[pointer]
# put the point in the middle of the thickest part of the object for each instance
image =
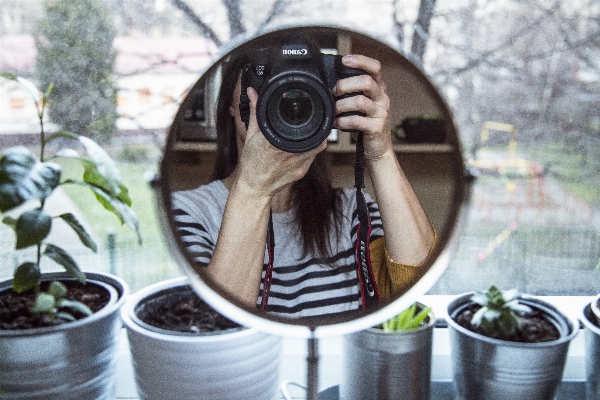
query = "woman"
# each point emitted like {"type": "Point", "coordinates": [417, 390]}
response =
{"type": "Point", "coordinates": [224, 224]}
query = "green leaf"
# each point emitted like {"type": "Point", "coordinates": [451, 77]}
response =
{"type": "Point", "coordinates": [44, 303]}
{"type": "Point", "coordinates": [10, 221]}
{"type": "Point", "coordinates": [104, 169]}
{"type": "Point", "coordinates": [66, 316]}
{"type": "Point", "coordinates": [47, 95]}
{"type": "Point", "coordinates": [85, 238]}
{"type": "Point", "coordinates": [62, 134]}
{"type": "Point", "coordinates": [57, 289]}
{"type": "Point", "coordinates": [75, 306]}
{"type": "Point", "coordinates": [27, 276]}
{"type": "Point", "coordinates": [420, 317]}
{"type": "Point", "coordinates": [24, 178]}
{"type": "Point", "coordinates": [407, 320]}
{"type": "Point", "coordinates": [8, 75]}
{"type": "Point", "coordinates": [32, 227]}
{"type": "Point", "coordinates": [63, 258]}
{"type": "Point", "coordinates": [125, 214]}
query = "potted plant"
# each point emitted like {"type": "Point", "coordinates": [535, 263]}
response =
{"type": "Point", "coordinates": [392, 360]}
{"type": "Point", "coordinates": [505, 345]}
{"type": "Point", "coordinates": [590, 321]}
{"type": "Point", "coordinates": [183, 349]}
{"type": "Point", "coordinates": [58, 331]}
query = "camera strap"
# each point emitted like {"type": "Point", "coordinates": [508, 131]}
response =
{"type": "Point", "coordinates": [269, 271]}
{"type": "Point", "coordinates": [368, 285]}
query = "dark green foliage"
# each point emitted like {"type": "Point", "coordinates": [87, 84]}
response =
{"type": "Point", "coordinates": [23, 177]}
{"type": "Point", "coordinates": [74, 43]}
{"type": "Point", "coordinates": [27, 181]}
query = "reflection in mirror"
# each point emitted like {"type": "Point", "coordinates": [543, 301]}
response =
{"type": "Point", "coordinates": [316, 280]}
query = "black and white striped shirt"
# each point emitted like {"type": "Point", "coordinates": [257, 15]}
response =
{"type": "Point", "coordinates": [301, 286]}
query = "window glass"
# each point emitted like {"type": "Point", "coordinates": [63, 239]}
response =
{"type": "Point", "coordinates": [522, 78]}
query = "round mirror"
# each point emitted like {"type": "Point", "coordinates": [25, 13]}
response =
{"type": "Point", "coordinates": [425, 142]}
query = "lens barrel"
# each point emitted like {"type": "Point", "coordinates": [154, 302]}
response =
{"type": "Point", "coordinates": [295, 111]}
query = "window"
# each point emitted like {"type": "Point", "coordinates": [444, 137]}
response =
{"type": "Point", "coordinates": [145, 95]}
{"type": "Point", "coordinates": [521, 76]}
{"type": "Point", "coordinates": [16, 103]}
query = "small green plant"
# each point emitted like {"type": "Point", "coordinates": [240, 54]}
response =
{"type": "Point", "coordinates": [25, 184]}
{"type": "Point", "coordinates": [54, 304]}
{"type": "Point", "coordinates": [498, 315]}
{"type": "Point", "coordinates": [407, 320]}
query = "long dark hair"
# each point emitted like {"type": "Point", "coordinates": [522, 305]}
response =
{"type": "Point", "coordinates": [318, 204]}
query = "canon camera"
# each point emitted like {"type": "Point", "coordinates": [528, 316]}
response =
{"type": "Point", "coordinates": [295, 109]}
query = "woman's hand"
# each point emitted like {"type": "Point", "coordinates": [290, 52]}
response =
{"type": "Point", "coordinates": [373, 102]}
{"type": "Point", "coordinates": [409, 235]}
{"type": "Point", "coordinates": [263, 168]}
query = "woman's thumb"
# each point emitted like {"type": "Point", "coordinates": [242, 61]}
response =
{"type": "Point", "coordinates": [253, 97]}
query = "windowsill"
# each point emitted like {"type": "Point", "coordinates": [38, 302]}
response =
{"type": "Point", "coordinates": [293, 366]}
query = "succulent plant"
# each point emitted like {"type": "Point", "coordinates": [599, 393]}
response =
{"type": "Point", "coordinates": [499, 313]}
{"type": "Point", "coordinates": [407, 320]}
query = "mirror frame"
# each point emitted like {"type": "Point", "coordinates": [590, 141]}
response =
{"type": "Point", "coordinates": [315, 328]}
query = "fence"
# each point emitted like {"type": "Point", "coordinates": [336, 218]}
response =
{"type": "Point", "coordinates": [539, 261]}
{"type": "Point", "coordinates": [138, 265]}
{"type": "Point", "coordinates": [542, 260]}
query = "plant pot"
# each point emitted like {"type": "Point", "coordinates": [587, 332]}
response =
{"type": "Point", "coordinates": [492, 369]}
{"type": "Point", "coordinates": [75, 360]}
{"type": "Point", "coordinates": [388, 365]}
{"type": "Point", "coordinates": [592, 352]}
{"type": "Point", "coordinates": [595, 309]}
{"type": "Point", "coordinates": [237, 363]}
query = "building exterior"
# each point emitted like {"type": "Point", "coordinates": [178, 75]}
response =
{"type": "Point", "coordinates": [153, 75]}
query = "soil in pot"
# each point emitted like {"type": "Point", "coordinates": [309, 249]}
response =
{"type": "Point", "coordinates": [535, 328]}
{"type": "Point", "coordinates": [15, 308]}
{"type": "Point", "coordinates": [182, 311]}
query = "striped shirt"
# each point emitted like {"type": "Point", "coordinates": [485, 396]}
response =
{"type": "Point", "coordinates": [302, 286]}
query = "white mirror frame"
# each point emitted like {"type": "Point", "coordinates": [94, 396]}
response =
{"type": "Point", "coordinates": [280, 328]}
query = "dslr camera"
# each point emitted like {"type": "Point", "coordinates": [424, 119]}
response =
{"type": "Point", "coordinates": [295, 109]}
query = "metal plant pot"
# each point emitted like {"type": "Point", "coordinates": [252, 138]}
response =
{"type": "Point", "coordinates": [233, 364]}
{"type": "Point", "coordinates": [388, 365]}
{"type": "Point", "coordinates": [69, 361]}
{"type": "Point", "coordinates": [493, 369]}
{"type": "Point", "coordinates": [592, 352]}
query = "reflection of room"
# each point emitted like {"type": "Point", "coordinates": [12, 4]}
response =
{"type": "Point", "coordinates": [429, 166]}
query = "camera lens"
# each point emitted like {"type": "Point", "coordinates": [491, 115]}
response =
{"type": "Point", "coordinates": [295, 107]}
{"type": "Point", "coordinates": [295, 111]}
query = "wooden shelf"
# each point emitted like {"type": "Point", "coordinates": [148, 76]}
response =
{"type": "Point", "coordinates": [344, 144]}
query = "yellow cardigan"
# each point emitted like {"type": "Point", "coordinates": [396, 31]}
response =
{"type": "Point", "coordinates": [391, 276]}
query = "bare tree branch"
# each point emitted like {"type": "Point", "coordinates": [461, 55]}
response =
{"type": "Point", "coordinates": [421, 32]}
{"type": "Point", "coordinates": [205, 29]}
{"type": "Point", "coordinates": [234, 15]}
{"type": "Point", "coordinates": [276, 10]}
{"type": "Point", "coordinates": [398, 25]}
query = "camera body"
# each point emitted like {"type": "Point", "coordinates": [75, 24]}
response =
{"type": "Point", "coordinates": [295, 109]}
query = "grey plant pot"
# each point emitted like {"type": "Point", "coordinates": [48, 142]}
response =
{"type": "Point", "coordinates": [492, 369]}
{"type": "Point", "coordinates": [592, 352]}
{"type": "Point", "coordinates": [381, 365]}
{"type": "Point", "coordinates": [234, 364]}
{"type": "Point", "coordinates": [70, 361]}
